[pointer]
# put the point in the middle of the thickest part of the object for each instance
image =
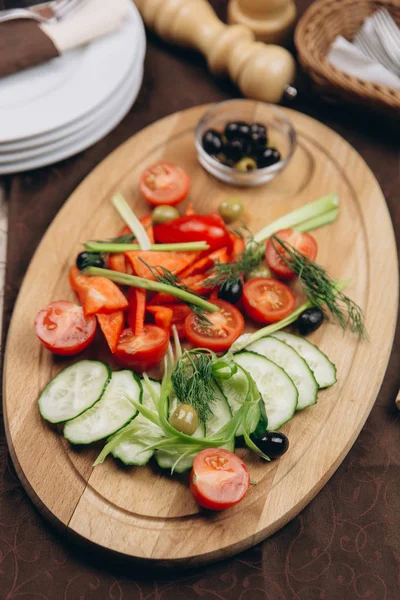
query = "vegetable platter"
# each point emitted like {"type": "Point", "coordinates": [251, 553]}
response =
{"type": "Point", "coordinates": [144, 512]}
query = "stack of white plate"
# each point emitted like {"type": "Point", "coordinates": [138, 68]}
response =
{"type": "Point", "coordinates": [62, 107]}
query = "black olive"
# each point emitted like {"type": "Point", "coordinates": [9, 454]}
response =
{"type": "Point", "coordinates": [231, 292]}
{"type": "Point", "coordinates": [268, 157]}
{"type": "Point", "coordinates": [258, 143]}
{"type": "Point", "coordinates": [237, 130]}
{"type": "Point", "coordinates": [236, 149]}
{"type": "Point", "coordinates": [212, 141]}
{"type": "Point", "coordinates": [310, 320]}
{"type": "Point", "coordinates": [89, 259]}
{"type": "Point", "coordinates": [273, 443]}
{"type": "Point", "coordinates": [258, 128]}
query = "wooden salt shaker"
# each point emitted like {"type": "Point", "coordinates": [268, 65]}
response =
{"type": "Point", "coordinates": [272, 21]}
{"type": "Point", "coordinates": [261, 72]}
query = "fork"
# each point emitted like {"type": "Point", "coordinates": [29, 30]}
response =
{"type": "Point", "coordinates": [42, 13]}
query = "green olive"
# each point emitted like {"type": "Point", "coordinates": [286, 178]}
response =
{"type": "Point", "coordinates": [246, 164]}
{"type": "Point", "coordinates": [231, 209]}
{"type": "Point", "coordinates": [261, 271]}
{"type": "Point", "coordinates": [163, 214]}
{"type": "Point", "coordinates": [185, 419]}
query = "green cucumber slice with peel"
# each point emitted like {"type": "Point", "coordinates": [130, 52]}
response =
{"type": "Point", "coordinates": [110, 413]}
{"type": "Point", "coordinates": [221, 413]}
{"type": "Point", "coordinates": [74, 390]}
{"type": "Point", "coordinates": [235, 390]}
{"type": "Point", "coordinates": [293, 364]}
{"type": "Point", "coordinates": [131, 449]}
{"type": "Point", "coordinates": [279, 394]}
{"type": "Point", "coordinates": [324, 370]}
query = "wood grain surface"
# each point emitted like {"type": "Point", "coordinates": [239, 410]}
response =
{"type": "Point", "coordinates": [143, 512]}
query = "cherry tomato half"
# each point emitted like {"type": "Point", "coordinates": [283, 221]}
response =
{"type": "Point", "coordinates": [219, 479]}
{"type": "Point", "coordinates": [303, 242]}
{"type": "Point", "coordinates": [164, 183]}
{"type": "Point", "coordinates": [144, 351]}
{"type": "Point", "coordinates": [63, 328]}
{"type": "Point", "coordinates": [267, 300]}
{"type": "Point", "coordinates": [226, 326]}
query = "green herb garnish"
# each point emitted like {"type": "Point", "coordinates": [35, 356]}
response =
{"type": "Point", "coordinates": [192, 381]}
{"type": "Point", "coordinates": [321, 290]}
{"type": "Point", "coordinates": [232, 272]}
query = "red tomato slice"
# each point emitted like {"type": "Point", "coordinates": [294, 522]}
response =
{"type": "Point", "coordinates": [164, 183]}
{"type": "Point", "coordinates": [303, 242]}
{"type": "Point", "coordinates": [63, 328]}
{"type": "Point", "coordinates": [144, 351]}
{"type": "Point", "coordinates": [219, 479]}
{"type": "Point", "coordinates": [267, 300]}
{"type": "Point", "coordinates": [226, 326]}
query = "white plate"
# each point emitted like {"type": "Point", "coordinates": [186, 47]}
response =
{"type": "Point", "coordinates": [112, 108]}
{"type": "Point", "coordinates": [48, 158]}
{"type": "Point", "coordinates": [69, 87]}
{"type": "Point", "coordinates": [85, 128]}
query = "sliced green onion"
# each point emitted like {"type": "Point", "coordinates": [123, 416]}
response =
{"type": "Point", "coordinates": [310, 211]}
{"type": "Point", "coordinates": [110, 247]}
{"type": "Point", "coordinates": [153, 286]}
{"type": "Point", "coordinates": [129, 217]}
{"type": "Point", "coordinates": [320, 221]}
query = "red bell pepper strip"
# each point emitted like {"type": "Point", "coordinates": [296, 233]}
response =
{"type": "Point", "coordinates": [194, 228]}
{"type": "Point", "coordinates": [162, 315]}
{"type": "Point", "coordinates": [137, 309]}
{"type": "Point", "coordinates": [111, 326]}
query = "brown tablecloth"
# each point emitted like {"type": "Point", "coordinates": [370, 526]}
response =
{"type": "Point", "coordinates": [346, 544]}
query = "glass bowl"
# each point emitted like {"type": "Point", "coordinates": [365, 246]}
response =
{"type": "Point", "coordinates": [280, 132]}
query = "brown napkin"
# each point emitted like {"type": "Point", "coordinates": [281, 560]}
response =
{"type": "Point", "coordinates": [27, 43]}
{"type": "Point", "coordinates": [23, 44]}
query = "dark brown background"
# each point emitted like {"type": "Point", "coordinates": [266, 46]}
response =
{"type": "Point", "coordinates": [346, 544]}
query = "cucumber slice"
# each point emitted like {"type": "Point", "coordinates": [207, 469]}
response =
{"type": "Point", "coordinates": [74, 390]}
{"type": "Point", "coordinates": [235, 390]}
{"type": "Point", "coordinates": [278, 391]}
{"type": "Point", "coordinates": [131, 451]}
{"type": "Point", "coordinates": [324, 370]}
{"type": "Point", "coordinates": [291, 362]}
{"type": "Point", "coordinates": [110, 414]}
{"type": "Point", "coordinates": [221, 413]}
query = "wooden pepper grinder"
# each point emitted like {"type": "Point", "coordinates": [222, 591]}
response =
{"type": "Point", "coordinates": [272, 21]}
{"type": "Point", "coordinates": [261, 72]}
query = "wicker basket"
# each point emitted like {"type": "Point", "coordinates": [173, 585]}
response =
{"type": "Point", "coordinates": [317, 29]}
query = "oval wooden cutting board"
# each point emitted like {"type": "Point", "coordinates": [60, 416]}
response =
{"type": "Point", "coordinates": [143, 512]}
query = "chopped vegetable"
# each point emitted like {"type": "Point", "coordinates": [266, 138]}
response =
{"type": "Point", "coordinates": [174, 262]}
{"type": "Point", "coordinates": [137, 309]}
{"type": "Point", "coordinates": [126, 213]}
{"type": "Point", "coordinates": [194, 228]}
{"type": "Point", "coordinates": [142, 352]}
{"type": "Point", "coordinates": [219, 479]}
{"type": "Point", "coordinates": [164, 183]}
{"type": "Point", "coordinates": [63, 328]}
{"type": "Point", "coordinates": [224, 327]}
{"type": "Point", "coordinates": [117, 262]}
{"type": "Point", "coordinates": [99, 294]}
{"type": "Point", "coordinates": [267, 300]}
{"type": "Point", "coordinates": [111, 326]}
{"type": "Point", "coordinates": [279, 261]}
{"type": "Point", "coordinates": [162, 315]}
{"type": "Point", "coordinates": [190, 209]}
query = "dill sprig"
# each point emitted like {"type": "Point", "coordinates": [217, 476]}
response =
{"type": "Point", "coordinates": [192, 381]}
{"type": "Point", "coordinates": [125, 238]}
{"type": "Point", "coordinates": [163, 275]}
{"type": "Point", "coordinates": [321, 290]}
{"type": "Point", "coordinates": [232, 272]}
